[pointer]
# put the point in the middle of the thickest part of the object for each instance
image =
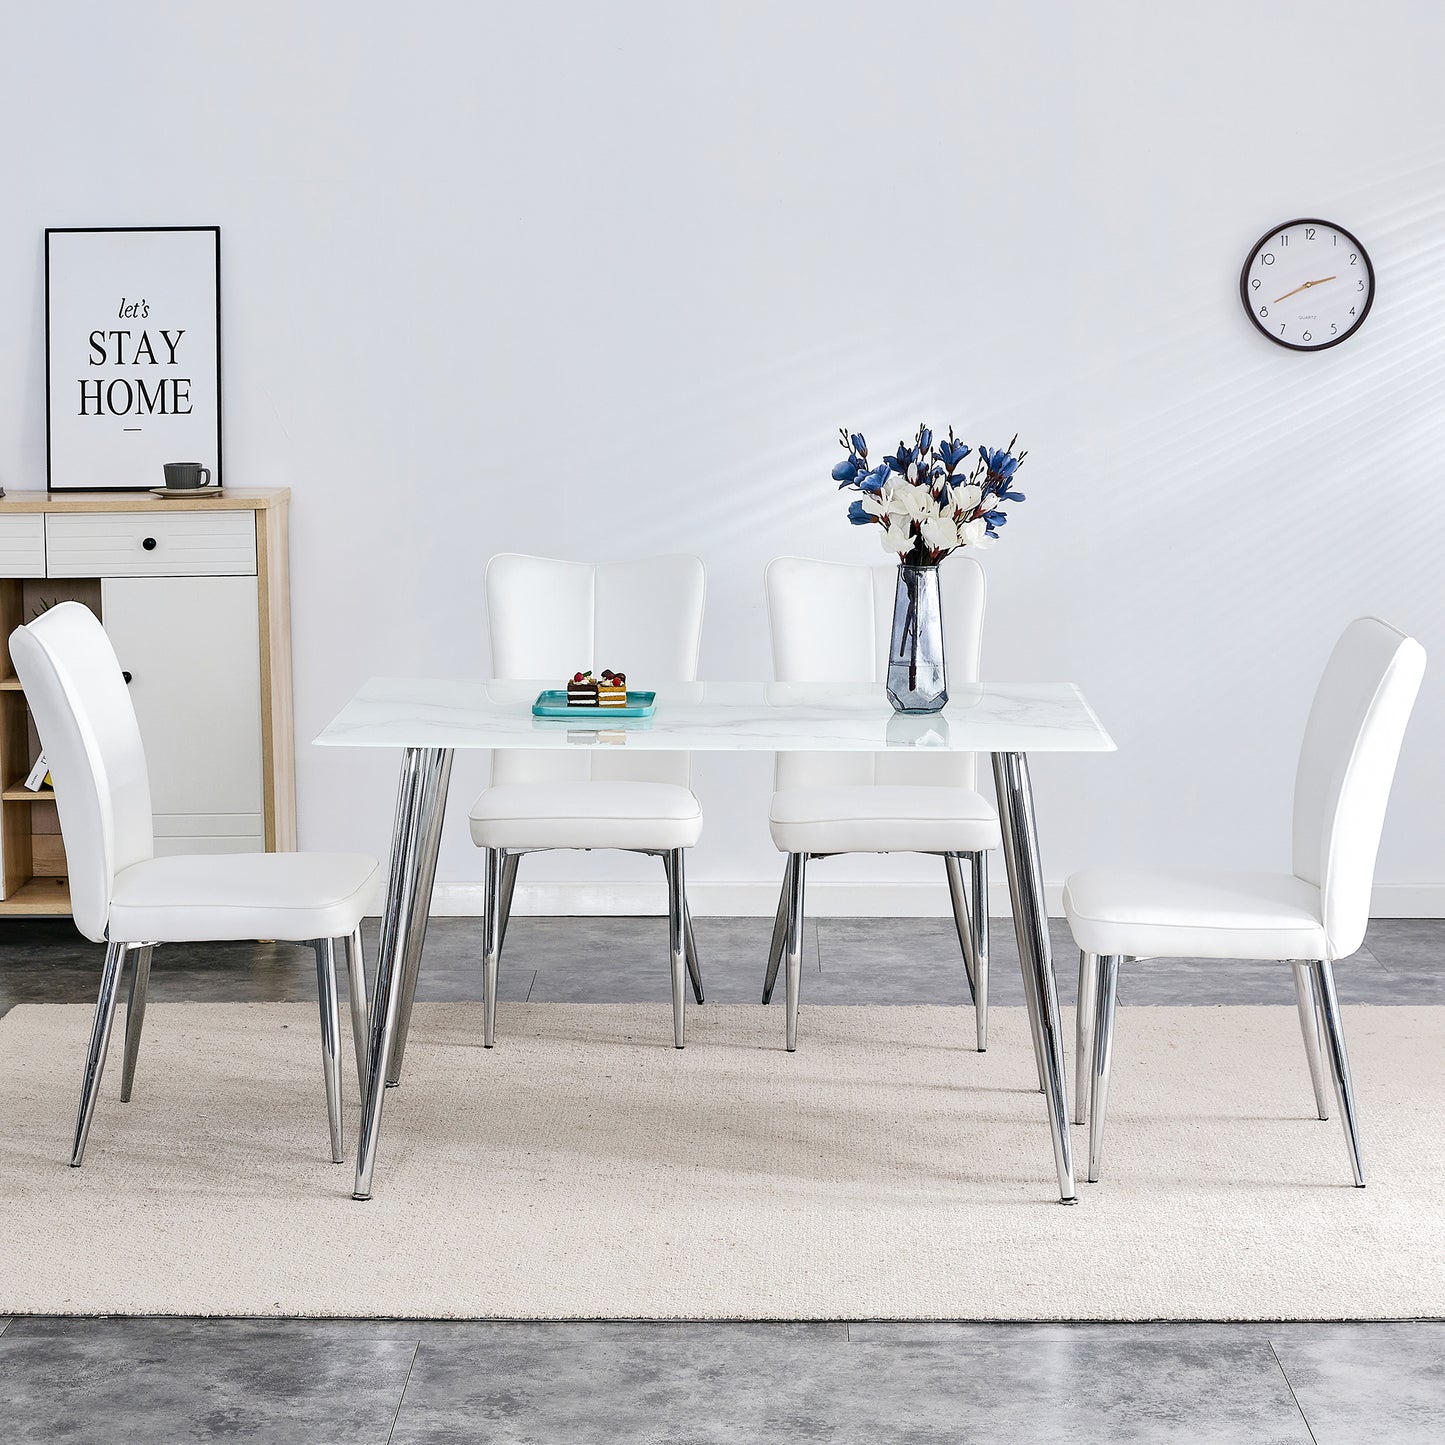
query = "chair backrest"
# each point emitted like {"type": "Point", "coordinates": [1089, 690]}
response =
{"type": "Point", "coordinates": [1347, 763]}
{"type": "Point", "coordinates": [549, 619]}
{"type": "Point", "coordinates": [830, 622]}
{"type": "Point", "coordinates": [77, 696]}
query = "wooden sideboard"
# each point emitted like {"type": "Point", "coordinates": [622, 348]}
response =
{"type": "Point", "coordinates": [194, 593]}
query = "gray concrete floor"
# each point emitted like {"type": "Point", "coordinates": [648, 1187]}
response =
{"type": "Point", "coordinates": [291, 1381]}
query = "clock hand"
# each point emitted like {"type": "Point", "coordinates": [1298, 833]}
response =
{"type": "Point", "coordinates": [1298, 289]}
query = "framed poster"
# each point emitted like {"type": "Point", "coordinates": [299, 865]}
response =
{"type": "Point", "coordinates": [132, 354]}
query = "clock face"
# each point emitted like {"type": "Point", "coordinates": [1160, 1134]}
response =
{"type": "Point", "coordinates": [1307, 285]}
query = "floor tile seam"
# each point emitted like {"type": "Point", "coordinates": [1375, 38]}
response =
{"type": "Point", "coordinates": [1289, 1385]}
{"type": "Point", "coordinates": [401, 1398]}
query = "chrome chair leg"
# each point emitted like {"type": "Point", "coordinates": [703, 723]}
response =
{"type": "Point", "coordinates": [1107, 997]}
{"type": "Point", "coordinates": [780, 931]}
{"type": "Point", "coordinates": [491, 944]}
{"type": "Point", "coordinates": [677, 943]}
{"type": "Point", "coordinates": [962, 923]}
{"type": "Point", "coordinates": [1309, 1026]}
{"type": "Point", "coordinates": [1084, 1034]}
{"type": "Point", "coordinates": [330, 1039]}
{"type": "Point", "coordinates": [99, 1042]}
{"type": "Point", "coordinates": [978, 919]}
{"type": "Point", "coordinates": [694, 966]}
{"type": "Point", "coordinates": [135, 1016]}
{"type": "Point", "coordinates": [1334, 1030]}
{"type": "Point", "coordinates": [360, 1013]}
{"type": "Point", "coordinates": [509, 886]}
{"type": "Point", "coordinates": [798, 867]}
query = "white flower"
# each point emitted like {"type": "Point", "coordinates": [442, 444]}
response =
{"type": "Point", "coordinates": [897, 537]}
{"type": "Point", "coordinates": [968, 496]}
{"type": "Point", "coordinates": [972, 534]}
{"type": "Point", "coordinates": [941, 533]}
{"type": "Point", "coordinates": [912, 471]}
{"type": "Point", "coordinates": [875, 506]}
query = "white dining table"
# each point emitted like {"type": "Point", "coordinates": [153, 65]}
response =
{"type": "Point", "coordinates": [429, 719]}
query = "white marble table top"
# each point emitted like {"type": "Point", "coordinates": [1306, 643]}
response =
{"type": "Point", "coordinates": [1021, 717]}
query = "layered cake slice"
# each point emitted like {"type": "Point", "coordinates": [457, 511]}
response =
{"type": "Point", "coordinates": [612, 690]}
{"type": "Point", "coordinates": [582, 690]}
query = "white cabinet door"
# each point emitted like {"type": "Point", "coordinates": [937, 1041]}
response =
{"type": "Point", "coordinates": [192, 648]}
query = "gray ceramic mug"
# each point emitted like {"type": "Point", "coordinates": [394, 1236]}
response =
{"type": "Point", "coordinates": [187, 474]}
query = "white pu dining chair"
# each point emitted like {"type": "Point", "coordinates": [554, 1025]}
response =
{"type": "Point", "coordinates": [124, 896]}
{"type": "Point", "coordinates": [1311, 916]}
{"type": "Point", "coordinates": [547, 620]}
{"type": "Point", "coordinates": [830, 622]}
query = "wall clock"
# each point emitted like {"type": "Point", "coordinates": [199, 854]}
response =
{"type": "Point", "coordinates": [1307, 285]}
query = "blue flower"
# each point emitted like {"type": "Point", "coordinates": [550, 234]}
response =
{"type": "Point", "coordinates": [874, 481]}
{"type": "Point", "coordinates": [858, 444]}
{"type": "Point", "coordinates": [902, 460]}
{"type": "Point", "coordinates": [999, 462]}
{"type": "Point", "coordinates": [995, 519]}
{"type": "Point", "coordinates": [925, 439]}
{"type": "Point", "coordinates": [1012, 497]}
{"type": "Point", "coordinates": [953, 452]}
{"type": "Point", "coordinates": [846, 470]}
{"type": "Point", "coordinates": [858, 516]}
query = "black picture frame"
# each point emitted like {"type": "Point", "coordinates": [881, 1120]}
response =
{"type": "Point", "coordinates": [99, 461]}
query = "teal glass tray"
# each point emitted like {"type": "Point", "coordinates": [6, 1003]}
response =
{"type": "Point", "coordinates": [553, 703]}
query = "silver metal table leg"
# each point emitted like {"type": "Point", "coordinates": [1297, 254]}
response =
{"type": "Point", "coordinates": [99, 1043]}
{"type": "Point", "coordinates": [330, 1040]}
{"type": "Point", "coordinates": [1031, 926]}
{"type": "Point", "coordinates": [1304, 993]}
{"type": "Point", "coordinates": [780, 931]}
{"type": "Point", "coordinates": [1084, 1035]}
{"type": "Point", "coordinates": [135, 1015]}
{"type": "Point", "coordinates": [416, 931]}
{"type": "Point", "coordinates": [796, 880]}
{"type": "Point", "coordinates": [421, 798]}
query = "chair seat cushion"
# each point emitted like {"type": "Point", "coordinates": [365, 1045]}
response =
{"type": "Point", "coordinates": [882, 818]}
{"type": "Point", "coordinates": [1194, 913]}
{"type": "Point", "coordinates": [215, 896]}
{"type": "Point", "coordinates": [587, 813]}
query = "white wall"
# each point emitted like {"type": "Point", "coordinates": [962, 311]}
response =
{"type": "Point", "coordinates": [605, 280]}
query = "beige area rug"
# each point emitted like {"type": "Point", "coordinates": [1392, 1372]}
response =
{"type": "Point", "coordinates": [584, 1168]}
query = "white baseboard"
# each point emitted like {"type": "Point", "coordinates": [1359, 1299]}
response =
{"type": "Point", "coordinates": [825, 899]}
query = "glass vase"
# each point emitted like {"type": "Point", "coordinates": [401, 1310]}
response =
{"type": "Point", "coordinates": [916, 678]}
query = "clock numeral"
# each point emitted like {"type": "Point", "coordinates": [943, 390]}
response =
{"type": "Point", "coordinates": [1255, 283]}
{"type": "Point", "coordinates": [1333, 328]}
{"type": "Point", "coordinates": [1352, 310]}
{"type": "Point", "coordinates": [1360, 287]}
{"type": "Point", "coordinates": [1309, 233]}
{"type": "Point", "coordinates": [1284, 238]}
{"type": "Point", "coordinates": [1264, 310]}
{"type": "Point", "coordinates": [1334, 239]}
{"type": "Point", "coordinates": [1353, 258]}
{"type": "Point", "coordinates": [1267, 259]}
{"type": "Point", "coordinates": [1281, 328]}
{"type": "Point", "coordinates": [1306, 337]}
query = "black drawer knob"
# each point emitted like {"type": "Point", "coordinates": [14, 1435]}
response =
{"type": "Point", "coordinates": [126, 676]}
{"type": "Point", "coordinates": [149, 543]}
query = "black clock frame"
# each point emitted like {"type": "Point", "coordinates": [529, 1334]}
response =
{"type": "Point", "coordinates": [1249, 261]}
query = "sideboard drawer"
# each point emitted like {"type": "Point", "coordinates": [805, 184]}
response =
{"type": "Point", "coordinates": [150, 544]}
{"type": "Point", "coordinates": [22, 545]}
